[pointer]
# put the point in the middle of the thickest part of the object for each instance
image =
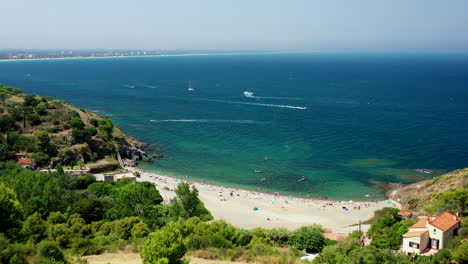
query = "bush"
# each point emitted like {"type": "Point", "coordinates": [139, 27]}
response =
{"type": "Point", "coordinates": [140, 230]}
{"type": "Point", "coordinates": [309, 238]}
{"type": "Point", "coordinates": [461, 253]}
{"type": "Point", "coordinates": [84, 246]}
{"type": "Point", "coordinates": [50, 250]}
{"type": "Point", "coordinates": [164, 246]}
{"type": "Point", "coordinates": [34, 228]}
{"type": "Point", "coordinates": [124, 227]}
{"type": "Point", "coordinates": [107, 228]}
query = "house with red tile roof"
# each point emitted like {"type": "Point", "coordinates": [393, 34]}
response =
{"type": "Point", "coordinates": [430, 234]}
{"type": "Point", "coordinates": [28, 163]}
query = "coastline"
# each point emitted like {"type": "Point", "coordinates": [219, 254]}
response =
{"type": "Point", "coordinates": [138, 56]}
{"type": "Point", "coordinates": [236, 206]}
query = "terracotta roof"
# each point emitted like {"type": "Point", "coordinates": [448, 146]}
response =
{"type": "Point", "coordinates": [415, 233]}
{"type": "Point", "coordinates": [26, 161]}
{"type": "Point", "coordinates": [445, 221]}
{"type": "Point", "coordinates": [405, 213]}
{"type": "Point", "coordinates": [420, 224]}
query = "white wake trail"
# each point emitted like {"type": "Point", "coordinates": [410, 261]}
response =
{"type": "Point", "coordinates": [206, 121]}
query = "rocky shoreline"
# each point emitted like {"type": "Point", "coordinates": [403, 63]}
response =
{"type": "Point", "coordinates": [133, 150]}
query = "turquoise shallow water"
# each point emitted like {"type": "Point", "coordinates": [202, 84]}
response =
{"type": "Point", "coordinates": [368, 118]}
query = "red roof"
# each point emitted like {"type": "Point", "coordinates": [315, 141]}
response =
{"type": "Point", "coordinates": [445, 221]}
{"type": "Point", "coordinates": [415, 233]}
{"type": "Point", "coordinates": [420, 224]}
{"type": "Point", "coordinates": [26, 161]}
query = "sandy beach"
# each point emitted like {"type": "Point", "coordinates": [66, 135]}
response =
{"type": "Point", "coordinates": [236, 206]}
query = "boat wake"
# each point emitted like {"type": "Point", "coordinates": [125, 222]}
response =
{"type": "Point", "coordinates": [129, 86]}
{"type": "Point", "coordinates": [206, 121]}
{"type": "Point", "coordinates": [150, 86]}
{"type": "Point", "coordinates": [251, 95]}
{"type": "Point", "coordinates": [259, 104]}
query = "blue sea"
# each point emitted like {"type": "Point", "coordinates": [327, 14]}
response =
{"type": "Point", "coordinates": [341, 122]}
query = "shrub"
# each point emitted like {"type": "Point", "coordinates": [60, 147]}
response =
{"type": "Point", "coordinates": [34, 228]}
{"type": "Point", "coordinates": [107, 228]}
{"type": "Point", "coordinates": [461, 253]}
{"type": "Point", "coordinates": [84, 246]}
{"type": "Point", "coordinates": [242, 237]}
{"type": "Point", "coordinates": [140, 230]}
{"type": "Point", "coordinates": [164, 246]}
{"type": "Point", "coordinates": [50, 250]}
{"type": "Point", "coordinates": [309, 238]}
{"type": "Point", "coordinates": [124, 227]}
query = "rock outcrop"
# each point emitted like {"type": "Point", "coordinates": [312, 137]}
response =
{"type": "Point", "coordinates": [132, 150]}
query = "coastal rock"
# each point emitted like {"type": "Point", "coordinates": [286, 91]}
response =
{"type": "Point", "coordinates": [158, 156]}
{"type": "Point", "coordinates": [132, 150]}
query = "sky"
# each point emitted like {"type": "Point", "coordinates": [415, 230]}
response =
{"type": "Point", "coordinates": [293, 25]}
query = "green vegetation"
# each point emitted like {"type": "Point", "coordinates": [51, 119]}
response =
{"type": "Point", "coordinates": [49, 217]}
{"type": "Point", "coordinates": [52, 132]}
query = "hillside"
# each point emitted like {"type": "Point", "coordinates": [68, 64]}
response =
{"type": "Point", "coordinates": [56, 133]}
{"type": "Point", "coordinates": [421, 196]}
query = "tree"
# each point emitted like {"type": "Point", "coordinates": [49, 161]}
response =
{"type": "Point", "coordinates": [140, 230]}
{"type": "Point", "coordinates": [7, 123]}
{"type": "Point", "coordinates": [91, 209]}
{"type": "Point", "coordinates": [3, 97]}
{"type": "Point", "coordinates": [34, 119]}
{"type": "Point", "coordinates": [9, 208]}
{"type": "Point", "coordinates": [30, 100]}
{"type": "Point", "coordinates": [105, 128]}
{"type": "Point", "coordinates": [44, 144]}
{"type": "Point", "coordinates": [309, 238]}
{"type": "Point", "coordinates": [461, 253]}
{"type": "Point", "coordinates": [41, 108]}
{"type": "Point", "coordinates": [123, 227]}
{"type": "Point", "coordinates": [187, 204]}
{"type": "Point", "coordinates": [50, 250]}
{"type": "Point", "coordinates": [454, 201]}
{"type": "Point", "coordinates": [163, 247]}
{"type": "Point", "coordinates": [5, 153]}
{"type": "Point", "coordinates": [135, 199]}
{"type": "Point", "coordinates": [41, 159]}
{"type": "Point", "coordinates": [34, 228]}
{"type": "Point", "coordinates": [77, 123]}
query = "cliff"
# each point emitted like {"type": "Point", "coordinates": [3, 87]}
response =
{"type": "Point", "coordinates": [420, 195]}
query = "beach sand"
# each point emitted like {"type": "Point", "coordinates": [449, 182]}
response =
{"type": "Point", "coordinates": [273, 210]}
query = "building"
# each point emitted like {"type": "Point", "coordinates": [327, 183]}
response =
{"type": "Point", "coordinates": [430, 234]}
{"type": "Point", "coordinates": [28, 163]}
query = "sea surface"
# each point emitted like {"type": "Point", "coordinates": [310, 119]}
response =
{"type": "Point", "coordinates": [340, 122]}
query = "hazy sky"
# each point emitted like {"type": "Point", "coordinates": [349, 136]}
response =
{"type": "Point", "coordinates": [294, 25]}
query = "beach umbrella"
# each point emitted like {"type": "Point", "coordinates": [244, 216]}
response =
{"type": "Point", "coordinates": [243, 191]}
{"type": "Point", "coordinates": [255, 208]}
{"type": "Point", "coordinates": [343, 201]}
{"type": "Point", "coordinates": [178, 182]}
{"type": "Point", "coordinates": [271, 201]}
{"type": "Point", "coordinates": [350, 201]}
{"type": "Point", "coordinates": [201, 187]}
{"type": "Point", "coordinates": [387, 202]}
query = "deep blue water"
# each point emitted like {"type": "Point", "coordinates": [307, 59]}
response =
{"type": "Point", "coordinates": [368, 118]}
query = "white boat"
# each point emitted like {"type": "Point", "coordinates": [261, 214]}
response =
{"type": "Point", "coordinates": [248, 94]}
{"type": "Point", "coordinates": [190, 86]}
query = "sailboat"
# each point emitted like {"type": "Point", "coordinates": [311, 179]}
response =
{"type": "Point", "coordinates": [190, 86]}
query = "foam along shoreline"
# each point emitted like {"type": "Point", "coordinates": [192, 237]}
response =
{"type": "Point", "coordinates": [236, 206]}
{"type": "Point", "coordinates": [137, 56]}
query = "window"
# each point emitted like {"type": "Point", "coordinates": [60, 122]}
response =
{"type": "Point", "coordinates": [434, 230]}
{"type": "Point", "coordinates": [414, 245]}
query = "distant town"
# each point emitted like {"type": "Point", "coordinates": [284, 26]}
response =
{"type": "Point", "coordinates": [10, 54]}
